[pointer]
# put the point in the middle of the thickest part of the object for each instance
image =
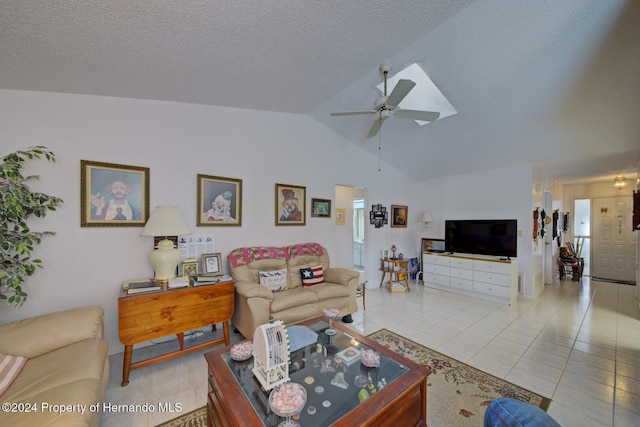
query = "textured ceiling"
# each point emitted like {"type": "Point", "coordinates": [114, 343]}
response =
{"type": "Point", "coordinates": [550, 83]}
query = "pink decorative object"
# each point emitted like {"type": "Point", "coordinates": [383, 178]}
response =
{"type": "Point", "coordinates": [370, 358]}
{"type": "Point", "coordinates": [241, 351]}
{"type": "Point", "coordinates": [331, 314]}
{"type": "Point", "coordinates": [287, 400]}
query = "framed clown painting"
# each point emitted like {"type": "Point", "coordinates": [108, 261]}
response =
{"type": "Point", "coordinates": [113, 195]}
{"type": "Point", "coordinates": [219, 201]}
{"type": "Point", "coordinates": [290, 204]}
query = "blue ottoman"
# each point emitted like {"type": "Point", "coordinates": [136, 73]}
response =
{"type": "Point", "coordinates": [504, 412]}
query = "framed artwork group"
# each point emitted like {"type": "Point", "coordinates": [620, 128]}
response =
{"type": "Point", "coordinates": [117, 195]}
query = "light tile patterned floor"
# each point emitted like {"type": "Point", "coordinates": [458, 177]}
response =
{"type": "Point", "coordinates": [578, 344]}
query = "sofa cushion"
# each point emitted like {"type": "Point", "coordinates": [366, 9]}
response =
{"type": "Point", "coordinates": [76, 362]}
{"type": "Point", "coordinates": [275, 280]}
{"type": "Point", "coordinates": [251, 272]}
{"type": "Point", "coordinates": [10, 367]}
{"type": "Point", "coordinates": [292, 298]}
{"type": "Point", "coordinates": [312, 276]}
{"type": "Point", "coordinates": [330, 290]}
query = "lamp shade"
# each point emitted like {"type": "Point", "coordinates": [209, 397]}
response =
{"type": "Point", "coordinates": [426, 217]}
{"type": "Point", "coordinates": [165, 221]}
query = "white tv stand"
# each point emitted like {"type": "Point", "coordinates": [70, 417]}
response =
{"type": "Point", "coordinates": [474, 275]}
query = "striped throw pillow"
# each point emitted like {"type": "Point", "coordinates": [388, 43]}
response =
{"type": "Point", "coordinates": [312, 276]}
{"type": "Point", "coordinates": [10, 367]}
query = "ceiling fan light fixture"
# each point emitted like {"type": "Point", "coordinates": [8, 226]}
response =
{"type": "Point", "coordinates": [620, 182]}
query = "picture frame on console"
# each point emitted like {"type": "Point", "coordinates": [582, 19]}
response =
{"type": "Point", "coordinates": [113, 195]}
{"type": "Point", "coordinates": [189, 267]}
{"type": "Point", "coordinates": [211, 264]}
{"type": "Point", "coordinates": [219, 201]}
{"type": "Point", "coordinates": [290, 204]}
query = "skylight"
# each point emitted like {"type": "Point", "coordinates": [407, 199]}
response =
{"type": "Point", "coordinates": [424, 96]}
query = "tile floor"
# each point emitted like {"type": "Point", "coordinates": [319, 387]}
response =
{"type": "Point", "coordinates": [578, 344]}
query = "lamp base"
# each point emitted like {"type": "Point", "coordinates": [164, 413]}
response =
{"type": "Point", "coordinates": [164, 260]}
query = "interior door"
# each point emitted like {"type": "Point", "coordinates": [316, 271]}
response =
{"type": "Point", "coordinates": [613, 241]}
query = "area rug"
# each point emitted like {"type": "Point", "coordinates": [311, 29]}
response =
{"type": "Point", "coordinates": [457, 394]}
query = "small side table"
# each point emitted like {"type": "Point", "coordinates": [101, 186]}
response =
{"type": "Point", "coordinates": [145, 316]}
{"type": "Point", "coordinates": [398, 271]}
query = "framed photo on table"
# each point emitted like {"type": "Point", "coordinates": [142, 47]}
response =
{"type": "Point", "coordinates": [189, 267]}
{"type": "Point", "coordinates": [113, 195]}
{"type": "Point", "coordinates": [211, 264]}
{"type": "Point", "coordinates": [320, 208]}
{"type": "Point", "coordinates": [290, 204]}
{"type": "Point", "coordinates": [219, 201]}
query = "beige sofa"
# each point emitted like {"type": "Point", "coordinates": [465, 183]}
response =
{"type": "Point", "coordinates": [255, 303]}
{"type": "Point", "coordinates": [66, 372]}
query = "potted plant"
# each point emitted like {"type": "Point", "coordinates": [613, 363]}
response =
{"type": "Point", "coordinates": [18, 205]}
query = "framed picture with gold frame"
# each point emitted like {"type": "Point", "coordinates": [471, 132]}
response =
{"type": "Point", "coordinates": [341, 215]}
{"type": "Point", "coordinates": [211, 264]}
{"type": "Point", "coordinates": [113, 195]}
{"type": "Point", "coordinates": [399, 215]}
{"type": "Point", "coordinates": [219, 201]}
{"type": "Point", "coordinates": [189, 267]}
{"type": "Point", "coordinates": [290, 204]}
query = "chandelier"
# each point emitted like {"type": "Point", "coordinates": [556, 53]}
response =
{"type": "Point", "coordinates": [620, 182]}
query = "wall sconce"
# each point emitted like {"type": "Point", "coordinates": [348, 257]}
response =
{"type": "Point", "coordinates": [426, 218]}
{"type": "Point", "coordinates": [620, 182]}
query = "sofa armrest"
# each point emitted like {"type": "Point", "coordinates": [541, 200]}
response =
{"type": "Point", "coordinates": [42, 334]}
{"type": "Point", "coordinates": [340, 275]}
{"type": "Point", "coordinates": [253, 290]}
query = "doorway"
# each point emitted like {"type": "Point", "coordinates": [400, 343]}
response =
{"type": "Point", "coordinates": [351, 250]}
{"type": "Point", "coordinates": [358, 234]}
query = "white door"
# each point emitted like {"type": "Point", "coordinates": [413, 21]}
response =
{"type": "Point", "coordinates": [613, 241]}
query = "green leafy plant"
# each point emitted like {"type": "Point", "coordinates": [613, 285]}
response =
{"type": "Point", "coordinates": [18, 204]}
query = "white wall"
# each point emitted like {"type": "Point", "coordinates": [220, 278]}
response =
{"type": "Point", "coordinates": [503, 193]}
{"type": "Point", "coordinates": [176, 141]}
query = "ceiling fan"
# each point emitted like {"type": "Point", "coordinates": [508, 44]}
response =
{"type": "Point", "coordinates": [387, 106]}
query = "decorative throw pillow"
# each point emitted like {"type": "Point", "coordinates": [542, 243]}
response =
{"type": "Point", "coordinates": [275, 280]}
{"type": "Point", "coordinates": [312, 276]}
{"type": "Point", "coordinates": [10, 367]}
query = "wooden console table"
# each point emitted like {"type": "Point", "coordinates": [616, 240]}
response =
{"type": "Point", "coordinates": [146, 316]}
{"type": "Point", "coordinates": [397, 269]}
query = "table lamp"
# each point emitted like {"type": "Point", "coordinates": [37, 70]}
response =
{"type": "Point", "coordinates": [165, 221]}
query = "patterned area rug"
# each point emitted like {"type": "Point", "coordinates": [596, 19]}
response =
{"type": "Point", "coordinates": [457, 393]}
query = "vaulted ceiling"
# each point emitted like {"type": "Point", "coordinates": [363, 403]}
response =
{"type": "Point", "coordinates": [549, 83]}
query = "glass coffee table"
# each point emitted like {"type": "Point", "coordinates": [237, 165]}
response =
{"type": "Point", "coordinates": [340, 389]}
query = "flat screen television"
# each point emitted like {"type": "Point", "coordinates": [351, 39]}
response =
{"type": "Point", "coordinates": [496, 237]}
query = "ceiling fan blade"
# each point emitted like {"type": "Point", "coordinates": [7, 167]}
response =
{"type": "Point", "coordinates": [403, 87]}
{"type": "Point", "coordinates": [352, 113]}
{"type": "Point", "coordinates": [376, 127]}
{"type": "Point", "coordinates": [425, 116]}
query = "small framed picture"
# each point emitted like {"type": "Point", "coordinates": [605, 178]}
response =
{"type": "Point", "coordinates": [341, 215]}
{"type": "Point", "coordinates": [113, 195]}
{"type": "Point", "coordinates": [320, 208]}
{"type": "Point", "coordinates": [219, 201]}
{"type": "Point", "coordinates": [189, 267]}
{"type": "Point", "coordinates": [290, 204]}
{"type": "Point", "coordinates": [211, 264]}
{"type": "Point", "coordinates": [399, 215]}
